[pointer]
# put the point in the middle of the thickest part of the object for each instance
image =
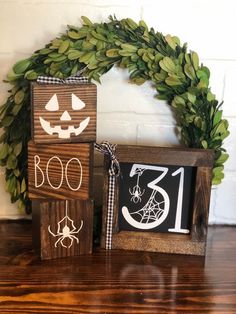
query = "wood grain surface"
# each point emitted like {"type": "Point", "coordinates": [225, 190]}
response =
{"type": "Point", "coordinates": [60, 171]}
{"type": "Point", "coordinates": [71, 226]}
{"type": "Point", "coordinates": [126, 282]}
{"type": "Point", "coordinates": [40, 96]}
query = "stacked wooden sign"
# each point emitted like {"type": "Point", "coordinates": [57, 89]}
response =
{"type": "Point", "coordinates": [60, 159]}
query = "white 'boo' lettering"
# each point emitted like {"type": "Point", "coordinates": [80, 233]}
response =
{"type": "Point", "coordinates": [63, 172]}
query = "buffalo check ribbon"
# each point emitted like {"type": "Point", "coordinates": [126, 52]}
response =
{"type": "Point", "coordinates": [114, 171]}
{"type": "Point", "coordinates": [69, 80]}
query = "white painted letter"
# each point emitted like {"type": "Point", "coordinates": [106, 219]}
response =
{"type": "Point", "coordinates": [49, 181]}
{"type": "Point", "coordinates": [80, 174]}
{"type": "Point", "coordinates": [36, 167]}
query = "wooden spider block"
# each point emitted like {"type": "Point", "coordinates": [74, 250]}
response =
{"type": "Point", "coordinates": [60, 171]}
{"type": "Point", "coordinates": [62, 228]}
{"type": "Point", "coordinates": [63, 113]}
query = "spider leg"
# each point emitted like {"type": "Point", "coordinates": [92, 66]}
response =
{"type": "Point", "coordinates": [73, 237]}
{"type": "Point", "coordinates": [130, 191]}
{"type": "Point", "coordinates": [142, 192]}
{"type": "Point", "coordinates": [81, 225]}
{"type": "Point", "coordinates": [60, 239]}
{"type": "Point", "coordinates": [63, 238]}
{"type": "Point", "coordinates": [55, 235]}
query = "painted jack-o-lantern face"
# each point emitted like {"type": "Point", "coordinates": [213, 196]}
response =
{"type": "Point", "coordinates": [66, 127]}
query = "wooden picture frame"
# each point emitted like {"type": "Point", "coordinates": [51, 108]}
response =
{"type": "Point", "coordinates": [194, 243]}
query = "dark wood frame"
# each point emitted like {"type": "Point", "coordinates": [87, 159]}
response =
{"type": "Point", "coordinates": [193, 243]}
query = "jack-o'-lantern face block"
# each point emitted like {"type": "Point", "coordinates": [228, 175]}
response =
{"type": "Point", "coordinates": [64, 113]}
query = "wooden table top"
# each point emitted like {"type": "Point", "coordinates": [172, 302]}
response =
{"type": "Point", "coordinates": [117, 281]}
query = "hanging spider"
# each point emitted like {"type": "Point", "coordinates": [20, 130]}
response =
{"type": "Point", "coordinates": [66, 232]}
{"type": "Point", "coordinates": [136, 192]}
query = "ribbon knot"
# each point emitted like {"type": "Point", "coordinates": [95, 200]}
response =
{"type": "Point", "coordinates": [109, 149]}
{"type": "Point", "coordinates": [69, 80]}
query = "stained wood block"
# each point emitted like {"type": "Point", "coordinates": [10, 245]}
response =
{"type": "Point", "coordinates": [60, 171]}
{"type": "Point", "coordinates": [62, 228]}
{"type": "Point", "coordinates": [63, 113]}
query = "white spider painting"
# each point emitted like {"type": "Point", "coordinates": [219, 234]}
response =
{"type": "Point", "coordinates": [66, 230]}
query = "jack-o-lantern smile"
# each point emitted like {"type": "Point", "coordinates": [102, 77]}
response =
{"type": "Point", "coordinates": [60, 129]}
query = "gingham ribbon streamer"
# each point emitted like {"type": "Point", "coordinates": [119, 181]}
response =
{"type": "Point", "coordinates": [114, 171]}
{"type": "Point", "coordinates": [69, 80]}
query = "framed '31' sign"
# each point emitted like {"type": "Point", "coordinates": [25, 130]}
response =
{"type": "Point", "coordinates": [162, 199]}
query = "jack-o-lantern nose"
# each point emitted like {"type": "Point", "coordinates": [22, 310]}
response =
{"type": "Point", "coordinates": [65, 116]}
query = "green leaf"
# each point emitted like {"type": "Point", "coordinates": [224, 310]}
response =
{"type": "Point", "coordinates": [187, 58]}
{"type": "Point", "coordinates": [203, 73]}
{"type": "Point", "coordinates": [171, 42]}
{"type": "Point", "coordinates": [11, 162]}
{"type": "Point", "coordinates": [131, 23]}
{"type": "Point", "coordinates": [73, 55]}
{"type": "Point", "coordinates": [7, 121]}
{"type": "Point", "coordinates": [98, 36]}
{"type": "Point", "coordinates": [19, 97]}
{"type": "Point", "coordinates": [210, 96]}
{"type": "Point", "coordinates": [143, 24]}
{"type": "Point", "coordinates": [160, 76]}
{"type": "Point", "coordinates": [195, 60]}
{"type": "Point", "coordinates": [74, 35]}
{"type": "Point", "coordinates": [86, 21]}
{"type": "Point", "coordinates": [173, 81]}
{"type": "Point", "coordinates": [204, 144]}
{"type": "Point", "coordinates": [221, 159]}
{"type": "Point", "coordinates": [11, 184]}
{"type": "Point", "coordinates": [125, 53]}
{"type": "Point", "coordinates": [129, 47]}
{"type": "Point", "coordinates": [189, 71]}
{"type": "Point", "coordinates": [17, 149]}
{"type": "Point", "coordinates": [15, 110]}
{"type": "Point", "coordinates": [167, 64]}
{"type": "Point", "coordinates": [23, 186]}
{"type": "Point", "coordinates": [191, 98]}
{"type": "Point", "coordinates": [21, 66]}
{"type": "Point", "coordinates": [12, 76]}
{"type": "Point", "coordinates": [203, 84]}
{"type": "Point", "coordinates": [198, 122]}
{"type": "Point", "coordinates": [217, 117]}
{"type": "Point", "coordinates": [179, 100]}
{"type": "Point", "coordinates": [31, 75]}
{"type": "Point", "coordinates": [64, 46]}
{"type": "Point", "coordinates": [138, 80]}
{"type": "Point", "coordinates": [87, 57]}
{"type": "Point", "coordinates": [112, 53]}
{"type": "Point", "coordinates": [4, 151]}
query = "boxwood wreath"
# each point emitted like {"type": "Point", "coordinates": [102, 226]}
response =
{"type": "Point", "coordinates": [95, 48]}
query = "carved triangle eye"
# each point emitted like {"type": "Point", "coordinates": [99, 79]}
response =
{"type": "Point", "coordinates": [77, 103]}
{"type": "Point", "coordinates": [52, 105]}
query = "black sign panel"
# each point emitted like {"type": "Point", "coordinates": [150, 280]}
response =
{"type": "Point", "coordinates": [156, 198]}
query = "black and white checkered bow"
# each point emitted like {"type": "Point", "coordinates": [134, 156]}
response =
{"type": "Point", "coordinates": [69, 80]}
{"type": "Point", "coordinates": [114, 171]}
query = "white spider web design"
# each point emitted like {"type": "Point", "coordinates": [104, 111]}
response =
{"type": "Point", "coordinates": [151, 211]}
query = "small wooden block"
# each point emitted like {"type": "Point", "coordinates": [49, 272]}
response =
{"type": "Point", "coordinates": [60, 171]}
{"type": "Point", "coordinates": [63, 113]}
{"type": "Point", "coordinates": [62, 228]}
